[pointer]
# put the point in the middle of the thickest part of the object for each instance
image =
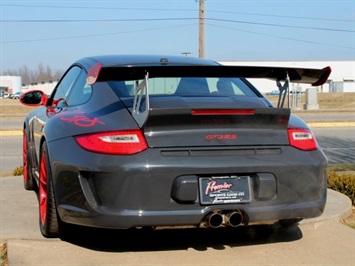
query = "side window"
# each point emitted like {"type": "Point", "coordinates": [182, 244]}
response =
{"type": "Point", "coordinates": [72, 89]}
{"type": "Point", "coordinates": [80, 92]}
{"type": "Point", "coordinates": [65, 84]}
{"type": "Point", "coordinates": [241, 88]}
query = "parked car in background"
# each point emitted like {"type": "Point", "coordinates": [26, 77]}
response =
{"type": "Point", "coordinates": [6, 95]}
{"type": "Point", "coordinates": [296, 91]}
{"type": "Point", "coordinates": [164, 141]}
{"type": "Point", "coordinates": [16, 95]}
{"type": "Point", "coordinates": [274, 92]}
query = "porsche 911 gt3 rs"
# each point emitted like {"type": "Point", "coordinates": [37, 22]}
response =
{"type": "Point", "coordinates": [154, 141]}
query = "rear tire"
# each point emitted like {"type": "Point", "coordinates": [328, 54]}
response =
{"type": "Point", "coordinates": [48, 216]}
{"type": "Point", "coordinates": [28, 181]}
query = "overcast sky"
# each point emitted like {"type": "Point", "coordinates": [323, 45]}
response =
{"type": "Point", "coordinates": [58, 32]}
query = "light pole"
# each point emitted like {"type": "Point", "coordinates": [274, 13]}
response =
{"type": "Point", "coordinates": [201, 49]}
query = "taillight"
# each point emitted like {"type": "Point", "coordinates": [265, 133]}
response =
{"type": "Point", "coordinates": [302, 139]}
{"type": "Point", "coordinates": [114, 142]}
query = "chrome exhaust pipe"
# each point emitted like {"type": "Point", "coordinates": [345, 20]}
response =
{"type": "Point", "coordinates": [234, 218]}
{"type": "Point", "coordinates": [213, 220]}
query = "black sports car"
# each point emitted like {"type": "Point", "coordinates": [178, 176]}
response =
{"type": "Point", "coordinates": [152, 141]}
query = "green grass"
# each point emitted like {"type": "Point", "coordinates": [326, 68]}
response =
{"type": "Point", "coordinates": [349, 170]}
{"type": "Point", "coordinates": [3, 257]}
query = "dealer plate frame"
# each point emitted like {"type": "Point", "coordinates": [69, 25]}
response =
{"type": "Point", "coordinates": [224, 189]}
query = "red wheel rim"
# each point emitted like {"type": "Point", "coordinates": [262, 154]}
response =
{"type": "Point", "coordinates": [43, 188]}
{"type": "Point", "coordinates": [25, 147]}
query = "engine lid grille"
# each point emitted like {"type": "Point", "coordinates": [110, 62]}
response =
{"type": "Point", "coordinates": [220, 152]}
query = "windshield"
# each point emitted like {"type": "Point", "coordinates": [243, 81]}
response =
{"type": "Point", "coordinates": [186, 86]}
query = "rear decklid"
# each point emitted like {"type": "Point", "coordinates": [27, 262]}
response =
{"type": "Point", "coordinates": [238, 122]}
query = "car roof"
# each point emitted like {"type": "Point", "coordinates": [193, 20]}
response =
{"type": "Point", "coordinates": [142, 60]}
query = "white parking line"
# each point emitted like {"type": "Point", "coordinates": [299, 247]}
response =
{"type": "Point", "coordinates": [331, 124]}
{"type": "Point", "coordinates": [10, 133]}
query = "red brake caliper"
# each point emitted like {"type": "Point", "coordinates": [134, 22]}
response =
{"type": "Point", "coordinates": [43, 188]}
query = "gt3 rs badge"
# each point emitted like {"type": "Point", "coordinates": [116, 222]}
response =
{"type": "Point", "coordinates": [221, 137]}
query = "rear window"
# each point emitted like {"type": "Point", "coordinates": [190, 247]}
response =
{"type": "Point", "coordinates": [186, 86]}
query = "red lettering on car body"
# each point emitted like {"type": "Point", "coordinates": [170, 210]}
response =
{"type": "Point", "coordinates": [221, 136]}
{"type": "Point", "coordinates": [80, 119]}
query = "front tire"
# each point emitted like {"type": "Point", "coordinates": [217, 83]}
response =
{"type": "Point", "coordinates": [48, 216]}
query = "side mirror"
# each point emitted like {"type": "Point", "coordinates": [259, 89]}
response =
{"type": "Point", "coordinates": [34, 98]}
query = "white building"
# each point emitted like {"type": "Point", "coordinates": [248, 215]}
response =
{"type": "Point", "coordinates": [341, 79]}
{"type": "Point", "coordinates": [10, 84]}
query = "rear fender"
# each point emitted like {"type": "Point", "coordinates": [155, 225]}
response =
{"type": "Point", "coordinates": [73, 122]}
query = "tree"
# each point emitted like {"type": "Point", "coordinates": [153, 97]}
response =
{"type": "Point", "coordinates": [42, 74]}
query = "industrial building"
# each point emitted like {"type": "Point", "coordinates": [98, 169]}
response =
{"type": "Point", "coordinates": [342, 78]}
{"type": "Point", "coordinates": [10, 84]}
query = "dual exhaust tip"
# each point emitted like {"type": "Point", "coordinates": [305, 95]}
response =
{"type": "Point", "coordinates": [216, 219]}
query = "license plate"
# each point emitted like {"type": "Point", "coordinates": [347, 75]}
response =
{"type": "Point", "coordinates": [224, 189]}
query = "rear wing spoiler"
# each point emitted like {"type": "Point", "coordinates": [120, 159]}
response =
{"type": "Point", "coordinates": [315, 77]}
{"type": "Point", "coordinates": [141, 106]}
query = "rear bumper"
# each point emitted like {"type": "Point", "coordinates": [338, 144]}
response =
{"type": "Point", "coordinates": [142, 190]}
{"type": "Point", "coordinates": [106, 218]}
